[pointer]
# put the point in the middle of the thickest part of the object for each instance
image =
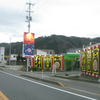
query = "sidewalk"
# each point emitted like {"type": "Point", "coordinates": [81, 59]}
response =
{"type": "Point", "coordinates": [57, 79]}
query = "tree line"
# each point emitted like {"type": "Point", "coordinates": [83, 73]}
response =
{"type": "Point", "coordinates": [58, 43]}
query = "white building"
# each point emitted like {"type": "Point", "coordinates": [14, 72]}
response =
{"type": "Point", "coordinates": [13, 57]}
{"type": "Point", "coordinates": [2, 52]}
{"type": "Point", "coordinates": [44, 52]}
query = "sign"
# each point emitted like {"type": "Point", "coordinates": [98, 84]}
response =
{"type": "Point", "coordinates": [28, 49]}
{"type": "Point", "coordinates": [13, 57]}
{"type": "Point", "coordinates": [29, 38]}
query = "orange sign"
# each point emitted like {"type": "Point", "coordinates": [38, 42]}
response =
{"type": "Point", "coordinates": [29, 38]}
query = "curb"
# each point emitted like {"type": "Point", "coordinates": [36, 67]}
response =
{"type": "Point", "coordinates": [77, 78]}
{"type": "Point", "coordinates": [1, 69]}
{"type": "Point", "coordinates": [44, 80]}
{"type": "Point", "coordinates": [73, 77]}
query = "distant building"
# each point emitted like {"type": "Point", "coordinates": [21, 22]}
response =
{"type": "Point", "coordinates": [2, 52]}
{"type": "Point", "coordinates": [13, 57]}
{"type": "Point", "coordinates": [73, 50]}
{"type": "Point", "coordinates": [44, 52]}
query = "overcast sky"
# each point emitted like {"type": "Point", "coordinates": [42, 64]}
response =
{"type": "Point", "coordinates": [62, 17]}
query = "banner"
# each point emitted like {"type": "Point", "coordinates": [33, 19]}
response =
{"type": "Point", "coordinates": [83, 61]}
{"type": "Point", "coordinates": [89, 60]}
{"type": "Point", "coordinates": [58, 59]}
{"type": "Point", "coordinates": [96, 60]}
{"type": "Point", "coordinates": [47, 62]}
{"type": "Point", "coordinates": [37, 62]}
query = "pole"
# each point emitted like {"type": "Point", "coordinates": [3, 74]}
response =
{"type": "Point", "coordinates": [27, 64]}
{"type": "Point", "coordinates": [9, 50]}
{"type": "Point", "coordinates": [29, 19]}
{"type": "Point", "coordinates": [42, 73]}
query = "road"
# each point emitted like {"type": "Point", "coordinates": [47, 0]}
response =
{"type": "Point", "coordinates": [20, 88]}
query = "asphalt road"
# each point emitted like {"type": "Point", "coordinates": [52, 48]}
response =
{"type": "Point", "coordinates": [19, 88]}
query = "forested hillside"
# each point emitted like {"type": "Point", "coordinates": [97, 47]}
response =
{"type": "Point", "coordinates": [59, 43]}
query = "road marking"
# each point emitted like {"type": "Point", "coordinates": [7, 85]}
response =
{"type": "Point", "coordinates": [70, 87]}
{"type": "Point", "coordinates": [83, 91]}
{"type": "Point", "coordinates": [61, 90]}
{"type": "Point", "coordinates": [2, 96]}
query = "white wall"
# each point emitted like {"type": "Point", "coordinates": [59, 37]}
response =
{"type": "Point", "coordinates": [40, 52]}
{"type": "Point", "coordinates": [2, 52]}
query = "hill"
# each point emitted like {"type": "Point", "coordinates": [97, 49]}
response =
{"type": "Point", "coordinates": [59, 43]}
{"type": "Point", "coordinates": [62, 44]}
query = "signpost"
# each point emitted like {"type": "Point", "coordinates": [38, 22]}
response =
{"type": "Point", "coordinates": [28, 43]}
{"type": "Point", "coordinates": [28, 47]}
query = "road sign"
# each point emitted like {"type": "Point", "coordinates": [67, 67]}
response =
{"type": "Point", "coordinates": [28, 50]}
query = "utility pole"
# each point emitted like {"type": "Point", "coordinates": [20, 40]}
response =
{"type": "Point", "coordinates": [28, 20]}
{"type": "Point", "coordinates": [29, 17]}
{"type": "Point", "coordinates": [9, 50]}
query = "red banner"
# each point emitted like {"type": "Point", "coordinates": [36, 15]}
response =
{"type": "Point", "coordinates": [29, 38]}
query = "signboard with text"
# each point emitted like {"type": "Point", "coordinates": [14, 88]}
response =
{"type": "Point", "coordinates": [28, 50]}
{"type": "Point", "coordinates": [29, 38]}
{"type": "Point", "coordinates": [28, 44]}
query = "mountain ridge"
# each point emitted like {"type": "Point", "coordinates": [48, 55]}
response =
{"type": "Point", "coordinates": [59, 43]}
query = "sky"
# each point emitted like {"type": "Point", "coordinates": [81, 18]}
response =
{"type": "Point", "coordinates": [79, 18]}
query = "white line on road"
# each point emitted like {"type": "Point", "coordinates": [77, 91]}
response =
{"type": "Point", "coordinates": [84, 91]}
{"type": "Point", "coordinates": [50, 86]}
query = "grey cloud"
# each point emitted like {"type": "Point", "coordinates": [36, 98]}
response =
{"type": "Point", "coordinates": [10, 17]}
{"type": "Point", "coordinates": [13, 20]}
